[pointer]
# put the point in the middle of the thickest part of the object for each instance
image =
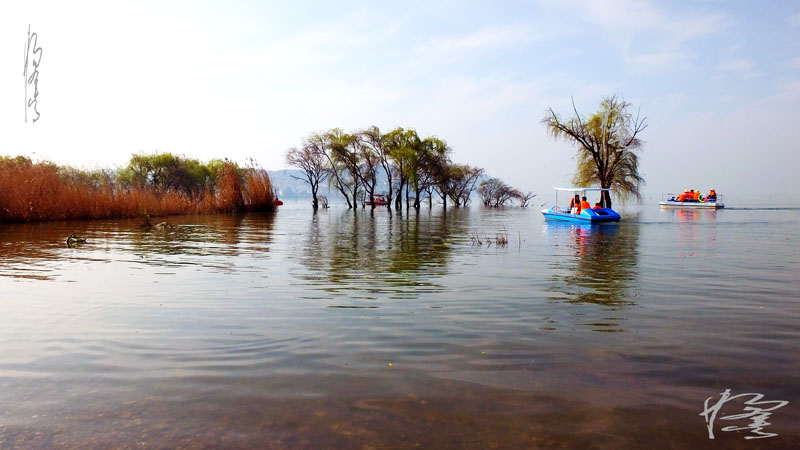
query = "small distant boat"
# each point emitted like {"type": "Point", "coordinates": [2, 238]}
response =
{"type": "Point", "coordinates": [586, 215]}
{"type": "Point", "coordinates": [379, 199]}
{"type": "Point", "coordinates": [277, 201]}
{"type": "Point", "coordinates": [692, 199]}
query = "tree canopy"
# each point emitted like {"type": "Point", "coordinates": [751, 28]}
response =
{"type": "Point", "coordinates": [352, 161]}
{"type": "Point", "coordinates": [607, 142]}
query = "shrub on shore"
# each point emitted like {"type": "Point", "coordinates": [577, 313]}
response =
{"type": "Point", "coordinates": [157, 185]}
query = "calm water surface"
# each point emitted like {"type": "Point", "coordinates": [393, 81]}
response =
{"type": "Point", "coordinates": [343, 330]}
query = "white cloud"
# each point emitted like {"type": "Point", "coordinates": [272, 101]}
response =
{"type": "Point", "coordinates": [789, 90]}
{"type": "Point", "coordinates": [794, 20]}
{"type": "Point", "coordinates": [652, 38]}
{"type": "Point", "coordinates": [483, 39]}
{"type": "Point", "coordinates": [737, 65]}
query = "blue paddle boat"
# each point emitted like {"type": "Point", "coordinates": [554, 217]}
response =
{"type": "Point", "coordinates": [586, 215]}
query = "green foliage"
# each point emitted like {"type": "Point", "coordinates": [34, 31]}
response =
{"type": "Point", "coordinates": [167, 172]}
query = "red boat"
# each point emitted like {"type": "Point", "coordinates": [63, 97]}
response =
{"type": "Point", "coordinates": [379, 199]}
{"type": "Point", "coordinates": [277, 201]}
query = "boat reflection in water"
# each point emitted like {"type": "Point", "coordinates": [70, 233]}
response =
{"type": "Point", "coordinates": [696, 229]}
{"type": "Point", "coordinates": [594, 265]}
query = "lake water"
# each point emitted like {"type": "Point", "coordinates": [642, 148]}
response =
{"type": "Point", "coordinates": [360, 330]}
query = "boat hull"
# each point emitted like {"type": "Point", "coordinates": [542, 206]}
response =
{"type": "Point", "coordinates": [693, 205]}
{"type": "Point", "coordinates": [604, 215]}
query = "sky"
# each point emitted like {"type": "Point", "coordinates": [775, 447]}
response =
{"type": "Point", "coordinates": [718, 81]}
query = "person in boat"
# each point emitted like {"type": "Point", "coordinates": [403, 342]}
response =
{"type": "Point", "coordinates": [585, 204]}
{"type": "Point", "coordinates": [712, 196]}
{"type": "Point", "coordinates": [575, 205]}
{"type": "Point", "coordinates": [597, 206]}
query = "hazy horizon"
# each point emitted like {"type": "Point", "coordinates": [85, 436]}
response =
{"type": "Point", "coordinates": [718, 82]}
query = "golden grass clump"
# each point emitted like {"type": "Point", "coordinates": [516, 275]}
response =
{"type": "Point", "coordinates": [40, 191]}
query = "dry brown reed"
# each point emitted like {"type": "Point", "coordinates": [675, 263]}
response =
{"type": "Point", "coordinates": [40, 191]}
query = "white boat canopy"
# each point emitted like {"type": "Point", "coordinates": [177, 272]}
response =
{"type": "Point", "coordinates": [578, 189]}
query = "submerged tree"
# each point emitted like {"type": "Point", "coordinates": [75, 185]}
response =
{"type": "Point", "coordinates": [495, 192]}
{"type": "Point", "coordinates": [312, 162]}
{"type": "Point", "coordinates": [607, 144]}
{"type": "Point", "coordinates": [462, 182]}
{"type": "Point", "coordinates": [378, 143]}
{"type": "Point", "coordinates": [524, 198]}
{"type": "Point", "coordinates": [359, 162]}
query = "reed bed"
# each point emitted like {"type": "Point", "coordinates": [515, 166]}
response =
{"type": "Point", "coordinates": [41, 191]}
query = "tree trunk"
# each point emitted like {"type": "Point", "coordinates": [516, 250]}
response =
{"type": "Point", "coordinates": [606, 199]}
{"type": "Point", "coordinates": [390, 192]}
{"type": "Point", "coordinates": [399, 200]}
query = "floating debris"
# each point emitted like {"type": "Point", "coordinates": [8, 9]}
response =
{"type": "Point", "coordinates": [73, 240]}
{"type": "Point", "coordinates": [147, 225]}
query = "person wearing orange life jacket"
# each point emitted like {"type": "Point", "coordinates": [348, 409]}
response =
{"type": "Point", "coordinates": [585, 204]}
{"type": "Point", "coordinates": [712, 196]}
{"type": "Point", "coordinates": [575, 204]}
{"type": "Point", "coordinates": [597, 206]}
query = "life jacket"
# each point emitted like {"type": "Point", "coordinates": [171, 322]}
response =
{"type": "Point", "coordinates": [597, 207]}
{"type": "Point", "coordinates": [585, 205]}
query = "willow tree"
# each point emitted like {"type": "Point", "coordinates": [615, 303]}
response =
{"type": "Point", "coordinates": [431, 155]}
{"type": "Point", "coordinates": [607, 142]}
{"type": "Point", "coordinates": [401, 146]}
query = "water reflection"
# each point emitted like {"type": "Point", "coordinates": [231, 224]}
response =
{"type": "Point", "coordinates": [365, 253]}
{"type": "Point", "coordinates": [37, 250]}
{"type": "Point", "coordinates": [242, 352]}
{"type": "Point", "coordinates": [598, 267]}
{"type": "Point", "coordinates": [693, 228]}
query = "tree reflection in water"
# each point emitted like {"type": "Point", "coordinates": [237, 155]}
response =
{"type": "Point", "coordinates": [599, 267]}
{"type": "Point", "coordinates": [364, 254]}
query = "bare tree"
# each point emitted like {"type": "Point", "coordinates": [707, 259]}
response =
{"type": "Point", "coordinates": [524, 198]}
{"type": "Point", "coordinates": [463, 181]}
{"type": "Point", "coordinates": [494, 192]}
{"type": "Point", "coordinates": [312, 162]}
